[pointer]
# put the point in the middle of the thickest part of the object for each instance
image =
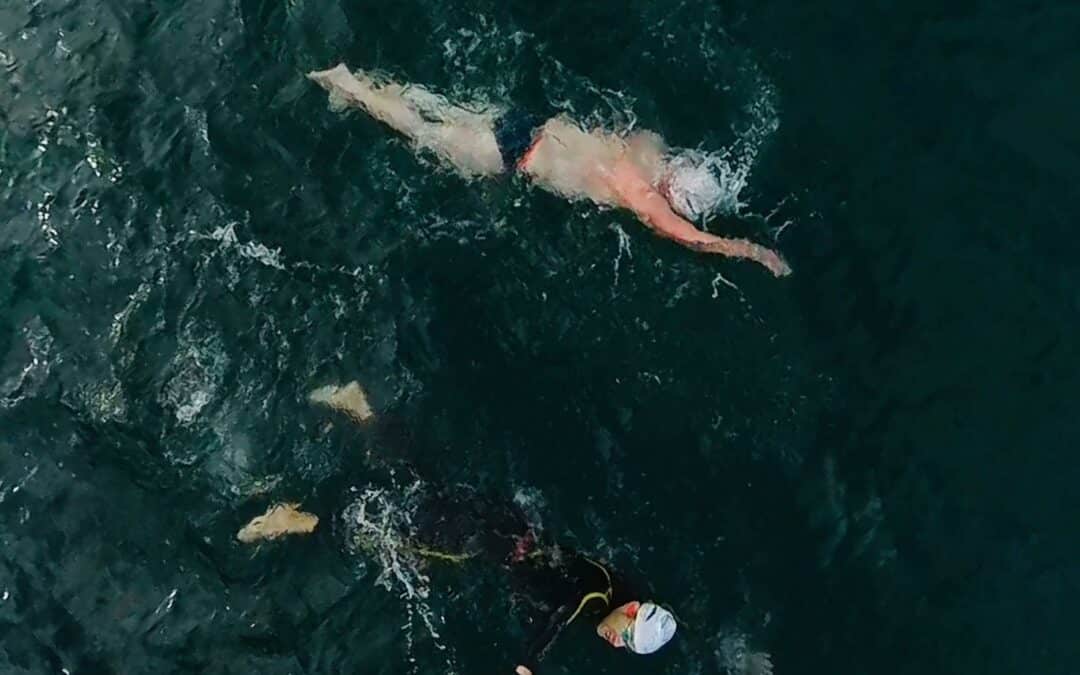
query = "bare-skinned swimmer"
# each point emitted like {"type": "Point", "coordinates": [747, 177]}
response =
{"type": "Point", "coordinates": [634, 171]}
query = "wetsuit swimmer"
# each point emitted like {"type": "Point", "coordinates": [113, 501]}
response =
{"type": "Point", "coordinates": [557, 585]}
{"type": "Point", "coordinates": [554, 586]}
{"type": "Point", "coordinates": [634, 171]}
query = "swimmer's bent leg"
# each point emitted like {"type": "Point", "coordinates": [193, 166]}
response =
{"type": "Point", "coordinates": [460, 137]}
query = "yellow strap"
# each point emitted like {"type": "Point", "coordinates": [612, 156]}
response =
{"type": "Point", "coordinates": [606, 576]}
{"type": "Point", "coordinates": [457, 558]}
{"type": "Point", "coordinates": [595, 595]}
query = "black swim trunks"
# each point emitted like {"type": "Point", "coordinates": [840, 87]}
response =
{"type": "Point", "coordinates": [515, 131]}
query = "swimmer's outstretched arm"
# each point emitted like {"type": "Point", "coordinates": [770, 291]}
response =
{"type": "Point", "coordinates": [638, 195]}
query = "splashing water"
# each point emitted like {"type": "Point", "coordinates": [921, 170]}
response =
{"type": "Point", "coordinates": [738, 162]}
{"type": "Point", "coordinates": [379, 525]}
{"type": "Point", "coordinates": [721, 279]}
{"type": "Point", "coordinates": [624, 248]}
{"type": "Point", "coordinates": [251, 250]}
{"type": "Point", "coordinates": [701, 185]}
{"type": "Point", "coordinates": [198, 369]}
{"type": "Point", "coordinates": [39, 346]}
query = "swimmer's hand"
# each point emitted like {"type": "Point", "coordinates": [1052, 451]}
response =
{"type": "Point", "coordinates": [522, 670]}
{"type": "Point", "coordinates": [741, 248]}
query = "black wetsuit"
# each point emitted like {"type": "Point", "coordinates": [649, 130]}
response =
{"type": "Point", "coordinates": [559, 584]}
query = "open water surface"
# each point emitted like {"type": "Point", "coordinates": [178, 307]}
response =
{"type": "Point", "coordinates": [867, 467]}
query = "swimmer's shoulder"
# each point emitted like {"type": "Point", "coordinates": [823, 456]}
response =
{"type": "Point", "coordinates": [561, 125]}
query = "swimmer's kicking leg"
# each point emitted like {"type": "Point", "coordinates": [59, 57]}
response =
{"type": "Point", "coordinates": [460, 137]}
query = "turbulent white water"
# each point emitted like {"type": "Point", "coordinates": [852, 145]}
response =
{"type": "Point", "coordinates": [379, 528]}
{"type": "Point", "coordinates": [197, 371]}
{"type": "Point", "coordinates": [31, 374]}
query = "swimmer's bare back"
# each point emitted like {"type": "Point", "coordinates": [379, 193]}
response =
{"type": "Point", "coordinates": [564, 158]}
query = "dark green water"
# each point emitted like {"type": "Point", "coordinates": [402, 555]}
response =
{"type": "Point", "coordinates": [865, 468]}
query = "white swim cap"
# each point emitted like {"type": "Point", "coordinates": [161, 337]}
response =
{"type": "Point", "coordinates": [654, 626]}
{"type": "Point", "coordinates": [691, 187]}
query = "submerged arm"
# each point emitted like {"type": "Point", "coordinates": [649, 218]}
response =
{"type": "Point", "coordinates": [638, 195]}
{"type": "Point", "coordinates": [553, 626]}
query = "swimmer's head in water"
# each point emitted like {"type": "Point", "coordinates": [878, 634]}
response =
{"type": "Point", "coordinates": [642, 628]}
{"type": "Point", "coordinates": [691, 186]}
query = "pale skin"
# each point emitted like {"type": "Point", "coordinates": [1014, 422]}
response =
{"type": "Point", "coordinates": [611, 629]}
{"type": "Point", "coordinates": [610, 169]}
{"type": "Point", "coordinates": [617, 623]}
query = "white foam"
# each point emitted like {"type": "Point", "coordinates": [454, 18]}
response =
{"type": "Point", "coordinates": [105, 399]}
{"type": "Point", "coordinates": [532, 502]}
{"type": "Point", "coordinates": [721, 279]}
{"type": "Point", "coordinates": [39, 345]}
{"type": "Point", "coordinates": [624, 249]}
{"type": "Point", "coordinates": [14, 489]}
{"type": "Point", "coordinates": [120, 319]}
{"type": "Point", "coordinates": [251, 250]}
{"type": "Point", "coordinates": [379, 526]}
{"type": "Point", "coordinates": [197, 371]}
{"type": "Point", "coordinates": [702, 185]}
{"type": "Point", "coordinates": [196, 119]}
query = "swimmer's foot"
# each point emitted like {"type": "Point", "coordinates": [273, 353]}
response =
{"type": "Point", "coordinates": [326, 77]}
{"type": "Point", "coordinates": [355, 87]}
{"type": "Point", "coordinates": [278, 521]}
{"type": "Point", "coordinates": [350, 399]}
